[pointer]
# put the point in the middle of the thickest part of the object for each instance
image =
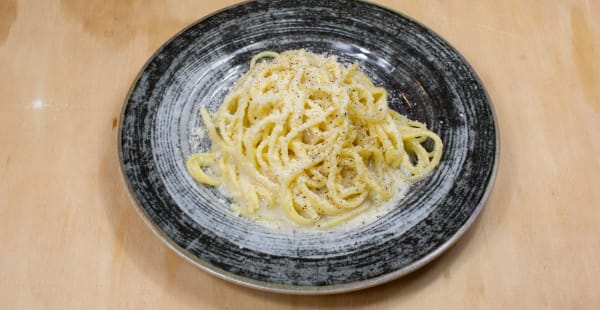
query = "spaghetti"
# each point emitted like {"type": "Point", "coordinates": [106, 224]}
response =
{"type": "Point", "coordinates": [302, 132]}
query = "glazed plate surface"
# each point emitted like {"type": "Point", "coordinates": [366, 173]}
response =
{"type": "Point", "coordinates": [427, 80]}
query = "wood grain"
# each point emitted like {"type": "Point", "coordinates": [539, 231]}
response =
{"type": "Point", "coordinates": [71, 239]}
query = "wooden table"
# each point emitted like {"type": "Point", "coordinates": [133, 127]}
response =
{"type": "Point", "coordinates": [71, 239]}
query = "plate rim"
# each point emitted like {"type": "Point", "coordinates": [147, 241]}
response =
{"type": "Point", "coordinates": [305, 289]}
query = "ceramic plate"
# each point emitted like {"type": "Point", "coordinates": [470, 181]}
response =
{"type": "Point", "coordinates": [427, 80]}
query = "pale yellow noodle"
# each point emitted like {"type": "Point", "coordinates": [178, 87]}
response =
{"type": "Point", "coordinates": [304, 133]}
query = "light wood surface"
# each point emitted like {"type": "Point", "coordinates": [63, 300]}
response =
{"type": "Point", "coordinates": [70, 238]}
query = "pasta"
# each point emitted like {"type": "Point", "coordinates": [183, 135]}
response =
{"type": "Point", "coordinates": [302, 132]}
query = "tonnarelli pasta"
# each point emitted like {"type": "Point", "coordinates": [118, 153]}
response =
{"type": "Point", "coordinates": [302, 132]}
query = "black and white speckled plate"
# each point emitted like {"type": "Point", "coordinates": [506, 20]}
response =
{"type": "Point", "coordinates": [427, 80]}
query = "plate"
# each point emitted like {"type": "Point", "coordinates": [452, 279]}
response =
{"type": "Point", "coordinates": [426, 79]}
